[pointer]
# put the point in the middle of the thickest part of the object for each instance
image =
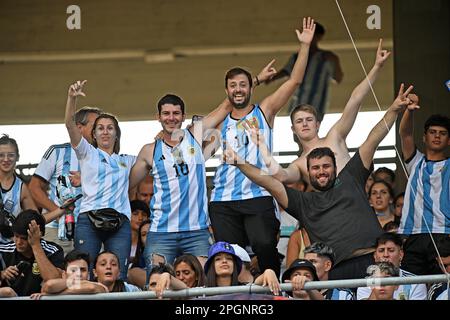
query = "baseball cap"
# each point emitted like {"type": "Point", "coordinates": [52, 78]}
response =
{"type": "Point", "coordinates": [241, 253]}
{"type": "Point", "coordinates": [300, 264]}
{"type": "Point", "coordinates": [222, 247]}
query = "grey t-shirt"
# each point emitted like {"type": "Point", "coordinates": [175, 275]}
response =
{"type": "Point", "coordinates": [340, 217]}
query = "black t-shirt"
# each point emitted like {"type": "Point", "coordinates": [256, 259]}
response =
{"type": "Point", "coordinates": [340, 217]}
{"type": "Point", "coordinates": [31, 281]}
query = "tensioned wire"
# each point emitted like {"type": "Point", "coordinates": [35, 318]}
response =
{"type": "Point", "coordinates": [387, 128]}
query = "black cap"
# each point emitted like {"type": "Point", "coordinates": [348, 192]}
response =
{"type": "Point", "coordinates": [300, 264]}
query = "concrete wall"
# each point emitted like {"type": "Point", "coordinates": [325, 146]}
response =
{"type": "Point", "coordinates": [34, 91]}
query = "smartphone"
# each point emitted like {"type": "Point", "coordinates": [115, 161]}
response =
{"type": "Point", "coordinates": [22, 266]}
{"type": "Point", "coordinates": [71, 201]}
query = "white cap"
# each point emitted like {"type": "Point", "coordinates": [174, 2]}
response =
{"type": "Point", "coordinates": [241, 253]}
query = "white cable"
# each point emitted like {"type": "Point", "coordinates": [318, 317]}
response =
{"type": "Point", "coordinates": [395, 147]}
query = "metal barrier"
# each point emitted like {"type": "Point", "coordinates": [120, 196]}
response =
{"type": "Point", "coordinates": [203, 292]}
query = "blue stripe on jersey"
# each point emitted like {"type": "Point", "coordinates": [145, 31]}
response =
{"type": "Point", "coordinates": [427, 220]}
{"type": "Point", "coordinates": [16, 192]}
{"type": "Point", "coordinates": [222, 170]}
{"type": "Point", "coordinates": [66, 161]}
{"type": "Point", "coordinates": [165, 198]}
{"type": "Point", "coordinates": [256, 191]}
{"type": "Point", "coordinates": [444, 201]}
{"type": "Point", "coordinates": [114, 181]}
{"type": "Point", "coordinates": [409, 222]}
{"type": "Point", "coordinates": [124, 196]}
{"type": "Point", "coordinates": [202, 214]}
{"type": "Point", "coordinates": [101, 180]}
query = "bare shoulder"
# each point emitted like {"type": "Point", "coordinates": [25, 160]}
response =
{"type": "Point", "coordinates": [147, 151]}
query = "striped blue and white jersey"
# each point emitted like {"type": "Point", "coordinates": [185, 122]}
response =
{"type": "Point", "coordinates": [427, 197]}
{"type": "Point", "coordinates": [179, 202]}
{"type": "Point", "coordinates": [104, 179]}
{"type": "Point", "coordinates": [339, 294]}
{"type": "Point", "coordinates": [229, 182]}
{"type": "Point", "coordinates": [11, 197]}
{"type": "Point", "coordinates": [58, 160]}
{"type": "Point", "coordinates": [315, 85]}
{"type": "Point", "coordinates": [404, 292]}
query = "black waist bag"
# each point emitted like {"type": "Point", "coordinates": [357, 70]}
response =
{"type": "Point", "coordinates": [108, 219]}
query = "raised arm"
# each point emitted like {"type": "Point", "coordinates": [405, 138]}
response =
{"type": "Point", "coordinates": [46, 267]}
{"type": "Point", "coordinates": [285, 175]}
{"type": "Point", "coordinates": [258, 176]}
{"type": "Point", "coordinates": [200, 128]}
{"type": "Point", "coordinates": [142, 166]}
{"type": "Point", "coordinates": [75, 90]}
{"type": "Point", "coordinates": [406, 129]}
{"type": "Point", "coordinates": [347, 120]}
{"type": "Point", "coordinates": [273, 103]}
{"type": "Point", "coordinates": [381, 129]}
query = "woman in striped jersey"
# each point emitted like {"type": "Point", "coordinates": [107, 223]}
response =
{"type": "Point", "coordinates": [104, 184]}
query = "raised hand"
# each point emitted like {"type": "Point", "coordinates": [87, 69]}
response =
{"type": "Point", "coordinates": [414, 105]}
{"type": "Point", "coordinates": [270, 280]}
{"type": "Point", "coordinates": [76, 89]}
{"type": "Point", "coordinates": [308, 31]}
{"type": "Point", "coordinates": [75, 178]}
{"type": "Point", "coordinates": [255, 134]}
{"type": "Point", "coordinates": [402, 99]}
{"type": "Point", "coordinates": [268, 72]}
{"type": "Point", "coordinates": [382, 55]}
{"type": "Point", "coordinates": [34, 233]}
{"type": "Point", "coordinates": [230, 156]}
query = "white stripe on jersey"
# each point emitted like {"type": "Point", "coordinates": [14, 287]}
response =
{"type": "Point", "coordinates": [105, 179]}
{"type": "Point", "coordinates": [58, 160]}
{"type": "Point", "coordinates": [427, 197]}
{"type": "Point", "coordinates": [229, 182]}
{"type": "Point", "coordinates": [179, 202]}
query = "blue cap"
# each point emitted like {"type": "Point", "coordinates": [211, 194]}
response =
{"type": "Point", "coordinates": [222, 247]}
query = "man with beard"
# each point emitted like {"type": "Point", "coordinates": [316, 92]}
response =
{"type": "Point", "coordinates": [339, 213]}
{"type": "Point", "coordinates": [242, 212]}
{"type": "Point", "coordinates": [305, 126]}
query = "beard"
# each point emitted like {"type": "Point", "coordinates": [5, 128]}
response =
{"type": "Point", "coordinates": [327, 186]}
{"type": "Point", "coordinates": [240, 105]}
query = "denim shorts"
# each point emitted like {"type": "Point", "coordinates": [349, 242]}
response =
{"type": "Point", "coordinates": [169, 245]}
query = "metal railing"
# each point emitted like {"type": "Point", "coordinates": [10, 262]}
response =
{"type": "Point", "coordinates": [249, 289]}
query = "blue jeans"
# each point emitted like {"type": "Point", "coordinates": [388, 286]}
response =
{"type": "Point", "coordinates": [90, 240]}
{"type": "Point", "coordinates": [169, 245]}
